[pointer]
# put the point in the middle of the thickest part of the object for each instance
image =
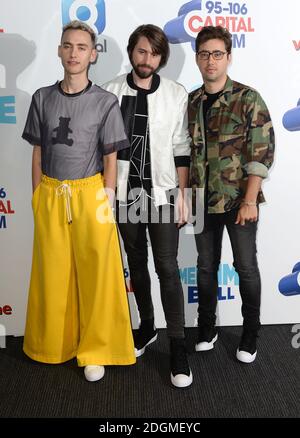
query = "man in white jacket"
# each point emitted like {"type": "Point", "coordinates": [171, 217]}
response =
{"type": "Point", "coordinates": [154, 110]}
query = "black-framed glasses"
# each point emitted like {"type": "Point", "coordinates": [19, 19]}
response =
{"type": "Point", "coordinates": [205, 54]}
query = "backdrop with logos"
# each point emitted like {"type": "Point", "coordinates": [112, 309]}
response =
{"type": "Point", "coordinates": [266, 55]}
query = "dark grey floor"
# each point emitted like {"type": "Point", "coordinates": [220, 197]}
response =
{"type": "Point", "coordinates": [223, 387]}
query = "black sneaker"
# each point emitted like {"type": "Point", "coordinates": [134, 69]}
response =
{"type": "Point", "coordinates": [247, 349]}
{"type": "Point", "coordinates": [181, 374]}
{"type": "Point", "coordinates": [207, 336]}
{"type": "Point", "coordinates": [145, 335]}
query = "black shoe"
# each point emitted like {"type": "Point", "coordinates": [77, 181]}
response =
{"type": "Point", "coordinates": [181, 374]}
{"type": "Point", "coordinates": [247, 349]}
{"type": "Point", "coordinates": [207, 336]}
{"type": "Point", "coordinates": [146, 334]}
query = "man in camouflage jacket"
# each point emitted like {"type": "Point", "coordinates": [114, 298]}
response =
{"type": "Point", "coordinates": [232, 151]}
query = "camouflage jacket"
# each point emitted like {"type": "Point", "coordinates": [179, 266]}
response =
{"type": "Point", "coordinates": [240, 142]}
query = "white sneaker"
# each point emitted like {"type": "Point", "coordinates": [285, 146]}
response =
{"type": "Point", "coordinates": [245, 356]}
{"type": "Point", "coordinates": [247, 349]}
{"type": "Point", "coordinates": [94, 372]}
{"type": "Point", "coordinates": [141, 345]}
{"type": "Point", "coordinates": [182, 380]}
{"type": "Point", "coordinates": [181, 374]}
{"type": "Point", "coordinates": [206, 345]}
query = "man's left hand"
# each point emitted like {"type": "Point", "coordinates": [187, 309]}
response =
{"type": "Point", "coordinates": [247, 213]}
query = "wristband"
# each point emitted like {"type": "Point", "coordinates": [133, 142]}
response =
{"type": "Point", "coordinates": [249, 203]}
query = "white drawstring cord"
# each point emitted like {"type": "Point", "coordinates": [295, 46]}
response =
{"type": "Point", "coordinates": [65, 189]}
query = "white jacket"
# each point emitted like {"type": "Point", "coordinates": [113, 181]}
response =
{"type": "Point", "coordinates": [169, 135]}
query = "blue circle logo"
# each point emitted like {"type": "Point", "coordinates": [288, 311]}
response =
{"type": "Point", "coordinates": [83, 13]}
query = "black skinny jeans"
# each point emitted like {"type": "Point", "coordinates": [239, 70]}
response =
{"type": "Point", "coordinates": [243, 243]}
{"type": "Point", "coordinates": [164, 242]}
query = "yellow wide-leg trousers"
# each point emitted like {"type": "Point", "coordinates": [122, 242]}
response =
{"type": "Point", "coordinates": [77, 305]}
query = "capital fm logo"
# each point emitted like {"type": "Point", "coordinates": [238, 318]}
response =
{"type": "Point", "coordinates": [290, 284]}
{"type": "Point", "coordinates": [6, 208]}
{"type": "Point", "coordinates": [196, 14]}
{"type": "Point", "coordinates": [91, 12]}
{"type": "Point", "coordinates": [291, 119]}
{"type": "Point", "coordinates": [296, 44]}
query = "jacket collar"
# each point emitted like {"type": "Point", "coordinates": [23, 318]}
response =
{"type": "Point", "coordinates": [154, 85]}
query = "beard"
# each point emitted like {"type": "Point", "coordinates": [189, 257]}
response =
{"type": "Point", "coordinates": [143, 74]}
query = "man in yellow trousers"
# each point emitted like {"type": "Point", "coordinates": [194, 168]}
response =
{"type": "Point", "coordinates": [77, 300]}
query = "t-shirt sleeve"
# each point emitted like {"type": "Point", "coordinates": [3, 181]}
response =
{"type": "Point", "coordinates": [113, 137]}
{"type": "Point", "coordinates": [32, 131]}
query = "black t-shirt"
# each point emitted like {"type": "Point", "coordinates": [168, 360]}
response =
{"type": "Point", "coordinates": [207, 103]}
{"type": "Point", "coordinates": [140, 162]}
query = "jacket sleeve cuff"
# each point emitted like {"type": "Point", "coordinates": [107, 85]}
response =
{"type": "Point", "coordinates": [182, 161]}
{"type": "Point", "coordinates": [256, 168]}
{"type": "Point", "coordinates": [182, 149]}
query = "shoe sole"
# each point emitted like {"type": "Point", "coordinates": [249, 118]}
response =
{"type": "Point", "coordinates": [249, 358]}
{"type": "Point", "coordinates": [206, 346]}
{"type": "Point", "coordinates": [189, 381]}
{"type": "Point", "coordinates": [140, 352]}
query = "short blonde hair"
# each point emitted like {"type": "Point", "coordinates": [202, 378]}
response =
{"type": "Point", "coordinates": [80, 25]}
